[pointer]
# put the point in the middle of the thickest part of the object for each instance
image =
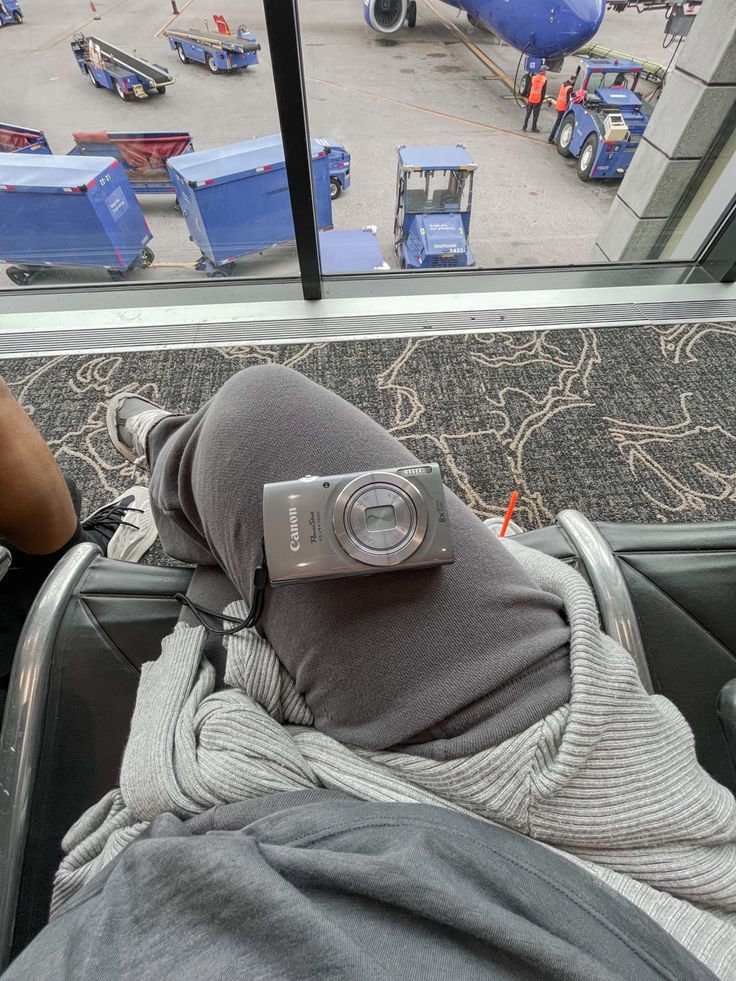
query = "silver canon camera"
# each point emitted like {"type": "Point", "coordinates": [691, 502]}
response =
{"type": "Point", "coordinates": [356, 524]}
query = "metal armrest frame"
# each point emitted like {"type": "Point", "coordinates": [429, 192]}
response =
{"type": "Point", "coordinates": [23, 724]}
{"type": "Point", "coordinates": [615, 605]}
{"type": "Point", "coordinates": [5, 560]}
{"type": "Point", "coordinates": [727, 715]}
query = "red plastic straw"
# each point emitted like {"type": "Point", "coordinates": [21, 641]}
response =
{"type": "Point", "coordinates": [509, 512]}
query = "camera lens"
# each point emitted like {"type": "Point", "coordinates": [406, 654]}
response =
{"type": "Point", "coordinates": [380, 519]}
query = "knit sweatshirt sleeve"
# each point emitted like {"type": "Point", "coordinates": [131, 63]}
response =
{"type": "Point", "coordinates": [616, 779]}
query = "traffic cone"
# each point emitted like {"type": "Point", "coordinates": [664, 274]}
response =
{"type": "Point", "coordinates": [93, 8]}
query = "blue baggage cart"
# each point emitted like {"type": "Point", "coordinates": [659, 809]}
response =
{"type": "Point", "coordinates": [69, 211]}
{"type": "Point", "coordinates": [10, 13]}
{"type": "Point", "coordinates": [353, 250]}
{"type": "Point", "coordinates": [235, 199]}
{"type": "Point", "coordinates": [21, 139]}
{"type": "Point", "coordinates": [339, 166]}
{"type": "Point", "coordinates": [220, 50]}
{"type": "Point", "coordinates": [109, 67]}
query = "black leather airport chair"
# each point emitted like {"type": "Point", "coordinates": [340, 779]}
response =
{"type": "Point", "coordinates": [664, 589]}
{"type": "Point", "coordinates": [70, 701]}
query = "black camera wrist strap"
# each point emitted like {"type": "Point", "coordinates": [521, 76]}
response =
{"type": "Point", "coordinates": [260, 581]}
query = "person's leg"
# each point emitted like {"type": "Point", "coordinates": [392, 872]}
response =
{"type": "Point", "coordinates": [535, 117]}
{"type": "Point", "coordinates": [40, 507]}
{"type": "Point", "coordinates": [527, 114]}
{"type": "Point", "coordinates": [463, 655]}
{"type": "Point", "coordinates": [556, 126]}
{"type": "Point", "coordinates": [36, 511]}
{"type": "Point", "coordinates": [40, 512]}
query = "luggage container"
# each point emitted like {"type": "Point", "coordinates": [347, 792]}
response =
{"type": "Point", "coordinates": [235, 199]}
{"type": "Point", "coordinates": [353, 250]}
{"type": "Point", "coordinates": [21, 139]}
{"type": "Point", "coordinates": [142, 155]}
{"type": "Point", "coordinates": [339, 166]}
{"type": "Point", "coordinates": [67, 211]}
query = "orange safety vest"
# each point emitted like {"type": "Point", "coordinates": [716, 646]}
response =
{"type": "Point", "coordinates": [535, 93]}
{"type": "Point", "coordinates": [562, 97]}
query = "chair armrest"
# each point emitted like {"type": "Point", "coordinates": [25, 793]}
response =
{"type": "Point", "coordinates": [727, 715]}
{"type": "Point", "coordinates": [4, 560]}
{"type": "Point", "coordinates": [20, 740]}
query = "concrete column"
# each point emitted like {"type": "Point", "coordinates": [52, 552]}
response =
{"type": "Point", "coordinates": [692, 110]}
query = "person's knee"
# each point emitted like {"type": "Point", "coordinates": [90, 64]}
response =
{"type": "Point", "coordinates": [255, 409]}
{"type": "Point", "coordinates": [269, 393]}
{"type": "Point", "coordinates": [258, 382]}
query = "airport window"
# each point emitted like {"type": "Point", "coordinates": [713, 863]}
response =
{"type": "Point", "coordinates": [554, 174]}
{"type": "Point", "coordinates": [140, 147]}
{"type": "Point", "coordinates": [149, 150]}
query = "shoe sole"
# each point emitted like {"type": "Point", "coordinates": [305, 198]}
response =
{"type": "Point", "coordinates": [144, 543]}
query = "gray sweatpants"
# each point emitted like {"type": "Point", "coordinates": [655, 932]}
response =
{"type": "Point", "coordinates": [449, 660]}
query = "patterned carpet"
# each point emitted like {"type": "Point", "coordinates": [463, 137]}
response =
{"type": "Point", "coordinates": [630, 425]}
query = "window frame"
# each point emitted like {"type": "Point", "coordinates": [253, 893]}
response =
{"type": "Point", "coordinates": [715, 264]}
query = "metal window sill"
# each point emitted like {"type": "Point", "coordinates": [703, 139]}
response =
{"type": "Point", "coordinates": [50, 321]}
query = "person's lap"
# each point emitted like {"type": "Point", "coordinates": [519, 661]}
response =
{"type": "Point", "coordinates": [410, 656]}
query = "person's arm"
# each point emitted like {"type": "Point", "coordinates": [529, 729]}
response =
{"type": "Point", "coordinates": [544, 92]}
{"type": "Point", "coordinates": [36, 510]}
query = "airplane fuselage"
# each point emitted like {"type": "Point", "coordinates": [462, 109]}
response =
{"type": "Point", "coordinates": [550, 28]}
{"type": "Point", "coordinates": [539, 28]}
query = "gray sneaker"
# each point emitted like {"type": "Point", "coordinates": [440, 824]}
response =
{"type": "Point", "coordinates": [124, 529]}
{"type": "Point", "coordinates": [130, 418]}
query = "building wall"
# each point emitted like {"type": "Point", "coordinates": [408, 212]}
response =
{"type": "Point", "coordinates": [698, 97]}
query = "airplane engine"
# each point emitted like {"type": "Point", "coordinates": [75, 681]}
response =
{"type": "Point", "coordinates": [385, 16]}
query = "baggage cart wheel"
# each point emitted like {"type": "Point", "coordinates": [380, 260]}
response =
{"type": "Point", "coordinates": [18, 276]}
{"type": "Point", "coordinates": [335, 188]}
{"type": "Point", "coordinates": [564, 135]}
{"type": "Point", "coordinates": [120, 90]}
{"type": "Point", "coordinates": [220, 272]}
{"type": "Point", "coordinates": [161, 89]}
{"type": "Point", "coordinates": [212, 64]}
{"type": "Point", "coordinates": [92, 79]}
{"type": "Point", "coordinates": [182, 57]}
{"type": "Point", "coordinates": [146, 257]}
{"type": "Point", "coordinates": [411, 14]}
{"type": "Point", "coordinates": [17, 17]}
{"type": "Point", "coordinates": [586, 160]}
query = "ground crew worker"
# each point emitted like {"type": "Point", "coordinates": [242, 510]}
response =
{"type": "Point", "coordinates": [536, 97]}
{"type": "Point", "coordinates": [563, 100]}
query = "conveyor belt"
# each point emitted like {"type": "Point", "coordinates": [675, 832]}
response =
{"type": "Point", "coordinates": [159, 76]}
{"type": "Point", "coordinates": [225, 42]}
